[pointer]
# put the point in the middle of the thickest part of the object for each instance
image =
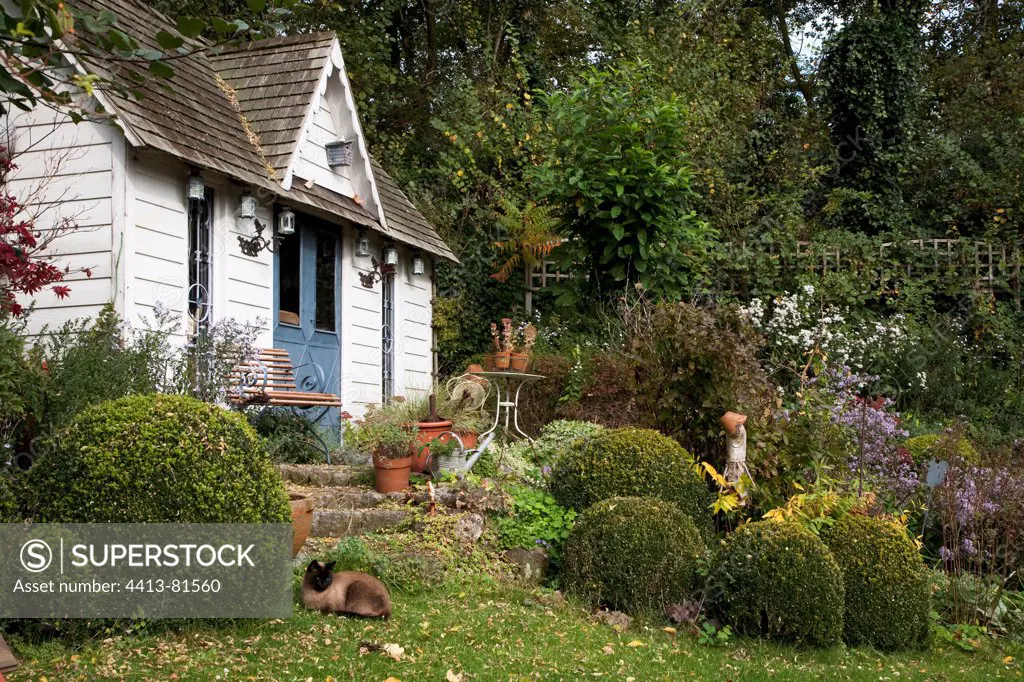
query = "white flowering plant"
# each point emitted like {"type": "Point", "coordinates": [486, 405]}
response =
{"type": "Point", "coordinates": [800, 325]}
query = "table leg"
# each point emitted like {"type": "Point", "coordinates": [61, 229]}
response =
{"type": "Point", "coordinates": [497, 410]}
{"type": "Point", "coordinates": [515, 412]}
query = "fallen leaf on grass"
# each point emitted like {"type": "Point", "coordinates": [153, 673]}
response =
{"type": "Point", "coordinates": [452, 676]}
{"type": "Point", "coordinates": [394, 651]}
{"type": "Point", "coordinates": [670, 631]}
{"type": "Point", "coordinates": [607, 649]}
{"type": "Point", "coordinates": [636, 643]}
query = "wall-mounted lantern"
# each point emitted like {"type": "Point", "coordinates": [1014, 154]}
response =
{"type": "Point", "coordinates": [391, 255]}
{"type": "Point", "coordinates": [246, 209]}
{"type": "Point", "coordinates": [195, 188]}
{"type": "Point", "coordinates": [286, 222]}
{"type": "Point", "coordinates": [362, 245]}
{"type": "Point", "coordinates": [418, 266]}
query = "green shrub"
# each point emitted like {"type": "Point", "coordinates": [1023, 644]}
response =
{"type": "Point", "coordinates": [887, 594]}
{"type": "Point", "coordinates": [634, 554]}
{"type": "Point", "coordinates": [8, 499]}
{"type": "Point", "coordinates": [634, 463]}
{"type": "Point", "coordinates": [778, 579]}
{"type": "Point", "coordinates": [288, 437]}
{"type": "Point", "coordinates": [154, 459]}
{"type": "Point", "coordinates": [940, 447]}
{"type": "Point", "coordinates": [535, 518]}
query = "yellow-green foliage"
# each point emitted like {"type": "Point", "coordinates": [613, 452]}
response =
{"type": "Point", "coordinates": [777, 579]}
{"type": "Point", "coordinates": [8, 502]}
{"type": "Point", "coordinates": [630, 462]}
{"type": "Point", "coordinates": [633, 554]}
{"type": "Point", "coordinates": [939, 446]}
{"type": "Point", "coordinates": [887, 599]}
{"type": "Point", "coordinates": [156, 458]}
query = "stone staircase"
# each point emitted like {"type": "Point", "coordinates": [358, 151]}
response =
{"type": "Point", "coordinates": [347, 504]}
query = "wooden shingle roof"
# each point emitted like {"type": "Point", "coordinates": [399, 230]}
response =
{"type": "Point", "coordinates": [240, 112]}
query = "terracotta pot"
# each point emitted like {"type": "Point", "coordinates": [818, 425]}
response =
{"type": "Point", "coordinates": [427, 432]}
{"type": "Point", "coordinates": [518, 362]}
{"type": "Point", "coordinates": [302, 519]}
{"type": "Point", "coordinates": [502, 360]}
{"type": "Point", "coordinates": [470, 439]}
{"type": "Point", "coordinates": [732, 420]}
{"type": "Point", "coordinates": [391, 475]}
{"type": "Point", "coordinates": [489, 362]}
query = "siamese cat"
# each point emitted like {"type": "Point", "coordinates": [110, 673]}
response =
{"type": "Point", "coordinates": [344, 592]}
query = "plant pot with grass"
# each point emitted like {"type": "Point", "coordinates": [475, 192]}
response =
{"type": "Point", "coordinates": [390, 443]}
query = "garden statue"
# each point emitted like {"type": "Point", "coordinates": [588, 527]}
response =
{"type": "Point", "coordinates": [736, 446]}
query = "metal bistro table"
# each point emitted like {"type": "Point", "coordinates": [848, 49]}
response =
{"type": "Point", "coordinates": [508, 385]}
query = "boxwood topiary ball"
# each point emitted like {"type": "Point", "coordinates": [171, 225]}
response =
{"type": "Point", "coordinates": [779, 580]}
{"type": "Point", "coordinates": [887, 597]}
{"type": "Point", "coordinates": [940, 446]}
{"type": "Point", "coordinates": [153, 459]}
{"type": "Point", "coordinates": [630, 462]}
{"type": "Point", "coordinates": [634, 554]}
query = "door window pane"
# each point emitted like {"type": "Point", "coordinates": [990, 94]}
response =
{"type": "Point", "coordinates": [326, 247]}
{"type": "Point", "coordinates": [288, 275]}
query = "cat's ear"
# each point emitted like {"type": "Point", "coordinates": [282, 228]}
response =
{"type": "Point", "coordinates": [330, 566]}
{"type": "Point", "coordinates": [314, 565]}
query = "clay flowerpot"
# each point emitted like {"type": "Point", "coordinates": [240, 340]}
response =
{"type": "Point", "coordinates": [732, 421]}
{"type": "Point", "coordinates": [488, 362]}
{"type": "Point", "coordinates": [302, 519]}
{"type": "Point", "coordinates": [470, 439]}
{"type": "Point", "coordinates": [427, 431]}
{"type": "Point", "coordinates": [502, 360]}
{"type": "Point", "coordinates": [391, 475]}
{"type": "Point", "coordinates": [518, 362]}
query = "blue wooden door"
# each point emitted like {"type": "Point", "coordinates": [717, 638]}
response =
{"type": "Point", "coordinates": [307, 306]}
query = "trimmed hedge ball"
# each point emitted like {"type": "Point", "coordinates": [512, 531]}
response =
{"type": "Point", "coordinates": [156, 458]}
{"type": "Point", "coordinates": [633, 554]}
{"type": "Point", "coordinates": [631, 462]}
{"type": "Point", "coordinates": [777, 579]}
{"type": "Point", "coordinates": [934, 446]}
{"type": "Point", "coordinates": [887, 596]}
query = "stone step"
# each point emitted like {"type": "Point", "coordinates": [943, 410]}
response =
{"type": "Point", "coordinates": [324, 474]}
{"type": "Point", "coordinates": [336, 523]}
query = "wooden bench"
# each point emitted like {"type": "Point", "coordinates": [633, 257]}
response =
{"type": "Point", "coordinates": [269, 379]}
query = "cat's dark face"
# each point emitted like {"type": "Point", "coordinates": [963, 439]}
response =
{"type": "Point", "coordinates": [320, 575]}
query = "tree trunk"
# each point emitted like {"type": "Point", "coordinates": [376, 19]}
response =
{"type": "Point", "coordinates": [794, 67]}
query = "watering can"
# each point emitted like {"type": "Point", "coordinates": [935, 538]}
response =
{"type": "Point", "coordinates": [460, 461]}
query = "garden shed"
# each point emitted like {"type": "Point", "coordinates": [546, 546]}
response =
{"type": "Point", "coordinates": [239, 188]}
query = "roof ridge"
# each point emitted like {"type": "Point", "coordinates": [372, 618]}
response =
{"type": "Point", "coordinates": [275, 42]}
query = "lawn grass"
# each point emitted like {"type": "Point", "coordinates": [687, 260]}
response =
{"type": "Point", "coordinates": [483, 630]}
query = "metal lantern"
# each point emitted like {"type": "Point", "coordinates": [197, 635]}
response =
{"type": "Point", "coordinates": [195, 188]}
{"type": "Point", "coordinates": [418, 267]}
{"type": "Point", "coordinates": [286, 222]}
{"type": "Point", "coordinates": [246, 206]}
{"type": "Point", "coordinates": [362, 245]}
{"type": "Point", "coordinates": [339, 153]}
{"type": "Point", "coordinates": [391, 255]}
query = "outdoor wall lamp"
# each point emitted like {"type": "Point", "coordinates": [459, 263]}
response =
{"type": "Point", "coordinates": [418, 266]}
{"type": "Point", "coordinates": [362, 245]}
{"type": "Point", "coordinates": [195, 188]}
{"type": "Point", "coordinates": [246, 209]}
{"type": "Point", "coordinates": [286, 222]}
{"type": "Point", "coordinates": [391, 255]}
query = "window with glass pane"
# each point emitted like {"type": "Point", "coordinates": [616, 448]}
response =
{"type": "Point", "coordinates": [326, 248]}
{"type": "Point", "coordinates": [289, 277]}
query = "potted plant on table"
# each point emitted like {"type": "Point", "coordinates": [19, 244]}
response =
{"type": "Point", "coordinates": [525, 337]}
{"type": "Point", "coordinates": [503, 344]}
